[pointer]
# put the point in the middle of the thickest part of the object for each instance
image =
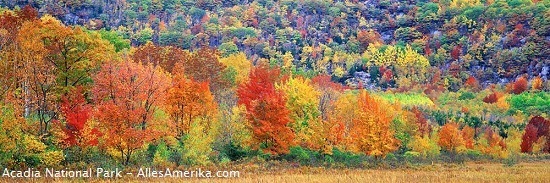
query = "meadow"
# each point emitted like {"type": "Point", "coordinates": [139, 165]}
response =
{"type": "Point", "coordinates": [535, 171]}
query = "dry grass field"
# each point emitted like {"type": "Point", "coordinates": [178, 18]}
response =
{"type": "Point", "coordinates": [525, 172]}
{"type": "Point", "coordinates": [470, 172]}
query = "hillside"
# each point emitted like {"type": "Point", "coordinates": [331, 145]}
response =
{"type": "Point", "coordinates": [492, 41]}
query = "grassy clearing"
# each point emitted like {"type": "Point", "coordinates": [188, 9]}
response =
{"type": "Point", "coordinates": [407, 99]}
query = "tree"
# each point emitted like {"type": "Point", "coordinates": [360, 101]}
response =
{"type": "Point", "coordinates": [370, 132]}
{"type": "Point", "coordinates": [303, 102]}
{"type": "Point", "coordinates": [421, 121]}
{"type": "Point", "coordinates": [165, 57]}
{"type": "Point", "coordinates": [10, 25]}
{"type": "Point", "coordinates": [472, 83]}
{"type": "Point", "coordinates": [77, 112]}
{"type": "Point", "coordinates": [426, 146]}
{"type": "Point", "coordinates": [520, 85]}
{"type": "Point", "coordinates": [468, 134]}
{"type": "Point", "coordinates": [240, 64]}
{"type": "Point", "coordinates": [11, 135]}
{"type": "Point", "coordinates": [537, 128]}
{"type": "Point", "coordinates": [187, 101]}
{"type": "Point", "coordinates": [228, 48]}
{"type": "Point", "coordinates": [54, 59]}
{"type": "Point", "coordinates": [73, 52]}
{"type": "Point", "coordinates": [266, 110]}
{"type": "Point", "coordinates": [407, 62]}
{"type": "Point", "coordinates": [537, 83]}
{"type": "Point", "coordinates": [198, 144]}
{"type": "Point", "coordinates": [369, 37]}
{"type": "Point", "coordinates": [329, 92]}
{"type": "Point", "coordinates": [116, 39]}
{"type": "Point", "coordinates": [529, 138]}
{"type": "Point", "coordinates": [493, 97]}
{"type": "Point", "coordinates": [492, 144]}
{"type": "Point", "coordinates": [204, 66]}
{"type": "Point", "coordinates": [450, 139]}
{"type": "Point", "coordinates": [126, 95]}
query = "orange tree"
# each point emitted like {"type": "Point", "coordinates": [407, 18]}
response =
{"type": "Point", "coordinates": [126, 96]}
{"type": "Point", "coordinates": [371, 132]}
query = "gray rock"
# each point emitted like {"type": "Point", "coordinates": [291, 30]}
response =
{"type": "Point", "coordinates": [545, 71]}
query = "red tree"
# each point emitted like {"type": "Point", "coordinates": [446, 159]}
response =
{"type": "Point", "coordinates": [76, 111]}
{"type": "Point", "coordinates": [472, 82]}
{"type": "Point", "coordinates": [492, 98]}
{"type": "Point", "coordinates": [455, 53]}
{"type": "Point", "coordinates": [520, 85]}
{"type": "Point", "coordinates": [421, 121]}
{"type": "Point", "coordinates": [536, 128]}
{"type": "Point", "coordinates": [266, 110]}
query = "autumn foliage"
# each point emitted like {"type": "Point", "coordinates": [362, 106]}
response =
{"type": "Point", "coordinates": [127, 94]}
{"type": "Point", "coordinates": [188, 100]}
{"type": "Point", "coordinates": [316, 83]}
{"type": "Point", "coordinates": [370, 132]}
{"type": "Point", "coordinates": [266, 110]}
{"type": "Point", "coordinates": [520, 85]}
{"type": "Point", "coordinates": [468, 136]}
{"type": "Point", "coordinates": [492, 98]}
{"type": "Point", "coordinates": [537, 128]}
{"type": "Point", "coordinates": [421, 121]}
{"type": "Point", "coordinates": [536, 83]}
{"type": "Point", "coordinates": [77, 112]}
{"type": "Point", "coordinates": [450, 138]}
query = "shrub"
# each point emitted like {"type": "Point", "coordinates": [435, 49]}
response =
{"type": "Point", "coordinates": [466, 96]}
{"type": "Point", "coordinates": [346, 158]}
{"type": "Point", "coordinates": [234, 151]}
{"type": "Point", "coordinates": [52, 158]}
{"type": "Point", "coordinates": [299, 154]}
{"type": "Point", "coordinates": [473, 154]}
{"type": "Point", "coordinates": [411, 155]}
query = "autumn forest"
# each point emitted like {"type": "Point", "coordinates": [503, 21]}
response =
{"type": "Point", "coordinates": [273, 83]}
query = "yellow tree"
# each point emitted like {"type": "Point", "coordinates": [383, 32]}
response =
{"type": "Point", "coordinates": [371, 132]}
{"type": "Point", "coordinates": [408, 63]}
{"type": "Point", "coordinates": [10, 60]}
{"type": "Point", "coordinates": [53, 59]}
{"type": "Point", "coordinates": [341, 117]}
{"type": "Point", "coordinates": [303, 102]}
{"type": "Point", "coordinates": [240, 64]}
{"type": "Point", "coordinates": [426, 146]}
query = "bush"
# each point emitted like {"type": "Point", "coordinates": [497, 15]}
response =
{"type": "Point", "coordinates": [52, 158]}
{"type": "Point", "coordinates": [299, 154]}
{"type": "Point", "coordinates": [411, 156]}
{"type": "Point", "coordinates": [347, 159]}
{"type": "Point", "coordinates": [474, 154]}
{"type": "Point", "coordinates": [234, 151]}
{"type": "Point", "coordinates": [466, 96]}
